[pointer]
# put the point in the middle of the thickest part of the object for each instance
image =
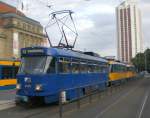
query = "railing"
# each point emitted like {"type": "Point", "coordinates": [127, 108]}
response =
{"type": "Point", "coordinates": [79, 97]}
{"type": "Point", "coordinates": [98, 93]}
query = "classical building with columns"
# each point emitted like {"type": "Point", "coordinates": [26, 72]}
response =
{"type": "Point", "coordinates": [17, 31]}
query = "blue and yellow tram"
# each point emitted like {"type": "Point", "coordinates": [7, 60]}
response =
{"type": "Point", "coordinates": [44, 72]}
{"type": "Point", "coordinates": [8, 71]}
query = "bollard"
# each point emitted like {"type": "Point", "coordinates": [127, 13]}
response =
{"type": "Point", "coordinates": [63, 96]}
{"type": "Point", "coordinates": [62, 99]}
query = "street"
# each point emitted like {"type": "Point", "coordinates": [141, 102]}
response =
{"type": "Point", "coordinates": [131, 100]}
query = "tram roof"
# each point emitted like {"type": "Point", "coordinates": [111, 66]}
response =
{"type": "Point", "coordinates": [65, 52]}
{"type": "Point", "coordinates": [118, 63]}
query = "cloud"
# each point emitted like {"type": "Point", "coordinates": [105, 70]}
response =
{"type": "Point", "coordinates": [145, 10]}
{"type": "Point", "coordinates": [95, 20]}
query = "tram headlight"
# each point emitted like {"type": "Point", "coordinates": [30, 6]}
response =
{"type": "Point", "coordinates": [18, 86]}
{"type": "Point", "coordinates": [38, 87]}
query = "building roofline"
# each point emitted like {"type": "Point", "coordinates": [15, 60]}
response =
{"type": "Point", "coordinates": [7, 4]}
{"type": "Point", "coordinates": [12, 7]}
{"type": "Point", "coordinates": [27, 19]}
{"type": "Point", "coordinates": [127, 2]}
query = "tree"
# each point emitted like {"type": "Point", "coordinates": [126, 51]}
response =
{"type": "Point", "coordinates": [138, 61]}
{"type": "Point", "coordinates": [147, 59]}
{"type": "Point", "coordinates": [142, 61]}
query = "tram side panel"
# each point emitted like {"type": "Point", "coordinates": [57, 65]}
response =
{"type": "Point", "coordinates": [53, 84]}
{"type": "Point", "coordinates": [8, 71]}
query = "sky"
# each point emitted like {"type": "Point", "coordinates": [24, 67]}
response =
{"type": "Point", "coordinates": [95, 21]}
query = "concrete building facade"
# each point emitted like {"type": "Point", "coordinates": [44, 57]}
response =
{"type": "Point", "coordinates": [17, 31]}
{"type": "Point", "coordinates": [129, 32]}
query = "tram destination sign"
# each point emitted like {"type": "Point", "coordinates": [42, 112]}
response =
{"type": "Point", "coordinates": [33, 51]}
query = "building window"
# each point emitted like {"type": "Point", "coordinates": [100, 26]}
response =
{"type": "Point", "coordinates": [24, 26]}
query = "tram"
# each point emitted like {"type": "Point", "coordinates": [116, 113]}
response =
{"type": "Point", "coordinates": [8, 71]}
{"type": "Point", "coordinates": [44, 72]}
{"type": "Point", "coordinates": [120, 72]}
{"type": "Point", "coordinates": [131, 71]}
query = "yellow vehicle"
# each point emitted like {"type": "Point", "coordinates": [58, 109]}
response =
{"type": "Point", "coordinates": [119, 72]}
{"type": "Point", "coordinates": [131, 72]}
{"type": "Point", "coordinates": [8, 71]}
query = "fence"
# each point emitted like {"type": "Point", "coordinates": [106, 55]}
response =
{"type": "Point", "coordinates": [98, 93]}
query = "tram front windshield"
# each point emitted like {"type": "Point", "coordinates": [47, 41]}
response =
{"type": "Point", "coordinates": [34, 65]}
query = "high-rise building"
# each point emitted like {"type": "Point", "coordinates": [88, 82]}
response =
{"type": "Point", "coordinates": [129, 32]}
{"type": "Point", "coordinates": [17, 31]}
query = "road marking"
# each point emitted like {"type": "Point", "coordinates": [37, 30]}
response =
{"type": "Point", "coordinates": [143, 104]}
{"type": "Point", "coordinates": [117, 101]}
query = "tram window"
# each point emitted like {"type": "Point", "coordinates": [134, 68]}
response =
{"type": "Point", "coordinates": [7, 72]}
{"type": "Point", "coordinates": [122, 68]}
{"type": "Point", "coordinates": [52, 66]}
{"type": "Point", "coordinates": [97, 68]}
{"type": "Point", "coordinates": [75, 68]}
{"type": "Point", "coordinates": [116, 68]}
{"type": "Point", "coordinates": [33, 65]}
{"type": "Point", "coordinates": [90, 68]}
{"type": "Point", "coordinates": [119, 68]}
{"type": "Point", "coordinates": [64, 66]}
{"type": "Point", "coordinates": [83, 68]}
{"type": "Point", "coordinates": [103, 68]}
{"type": "Point", "coordinates": [61, 59]}
{"type": "Point", "coordinates": [130, 69]}
{"type": "Point", "coordinates": [113, 68]}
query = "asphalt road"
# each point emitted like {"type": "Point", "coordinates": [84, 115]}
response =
{"type": "Point", "coordinates": [132, 100]}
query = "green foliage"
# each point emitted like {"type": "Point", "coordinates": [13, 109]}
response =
{"type": "Point", "coordinates": [142, 61]}
{"type": "Point", "coordinates": [147, 53]}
